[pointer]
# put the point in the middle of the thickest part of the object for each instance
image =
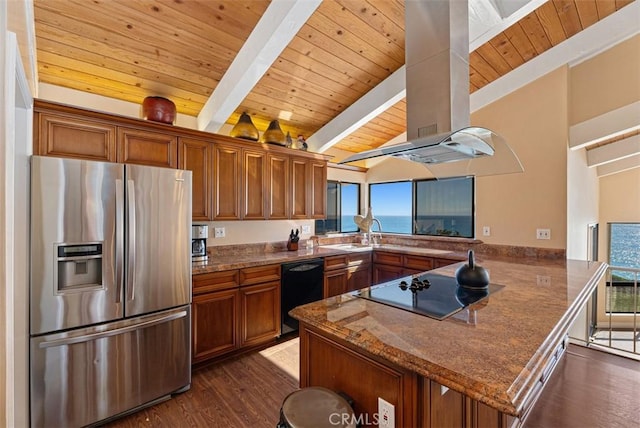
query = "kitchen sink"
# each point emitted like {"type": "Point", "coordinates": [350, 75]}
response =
{"type": "Point", "coordinates": [350, 247]}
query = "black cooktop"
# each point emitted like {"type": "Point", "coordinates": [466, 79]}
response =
{"type": "Point", "coordinates": [433, 295]}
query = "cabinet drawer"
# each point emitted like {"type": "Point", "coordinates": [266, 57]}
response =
{"type": "Point", "coordinates": [418, 262]}
{"type": "Point", "coordinates": [357, 259]}
{"type": "Point", "coordinates": [336, 262]}
{"type": "Point", "coordinates": [207, 282]}
{"type": "Point", "coordinates": [437, 263]}
{"type": "Point", "coordinates": [259, 274]}
{"type": "Point", "coordinates": [381, 257]}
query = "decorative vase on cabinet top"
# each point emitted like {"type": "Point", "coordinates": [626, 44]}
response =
{"type": "Point", "coordinates": [274, 134]}
{"type": "Point", "coordinates": [245, 128]}
{"type": "Point", "coordinates": [159, 109]}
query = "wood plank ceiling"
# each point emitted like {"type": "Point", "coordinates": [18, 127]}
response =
{"type": "Point", "coordinates": [180, 49]}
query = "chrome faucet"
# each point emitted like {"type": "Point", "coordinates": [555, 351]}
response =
{"type": "Point", "coordinates": [373, 236]}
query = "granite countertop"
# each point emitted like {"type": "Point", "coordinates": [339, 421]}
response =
{"type": "Point", "coordinates": [495, 352]}
{"type": "Point", "coordinates": [237, 260]}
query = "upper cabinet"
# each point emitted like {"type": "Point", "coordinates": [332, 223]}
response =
{"type": "Point", "coordinates": [308, 188]}
{"type": "Point", "coordinates": [68, 136]}
{"type": "Point", "coordinates": [233, 179]}
{"type": "Point", "coordinates": [147, 148]}
{"type": "Point", "coordinates": [197, 157]}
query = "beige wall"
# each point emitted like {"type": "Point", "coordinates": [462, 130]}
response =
{"type": "Point", "coordinates": [533, 121]}
{"type": "Point", "coordinates": [582, 203]}
{"type": "Point", "coordinates": [605, 82]}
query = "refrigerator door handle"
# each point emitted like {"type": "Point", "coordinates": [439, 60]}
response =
{"type": "Point", "coordinates": [131, 242]}
{"type": "Point", "coordinates": [114, 332]}
{"type": "Point", "coordinates": [119, 238]}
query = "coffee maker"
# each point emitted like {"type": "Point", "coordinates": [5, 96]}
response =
{"type": "Point", "coordinates": [199, 233]}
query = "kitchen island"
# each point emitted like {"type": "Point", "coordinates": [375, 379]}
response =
{"type": "Point", "coordinates": [483, 366]}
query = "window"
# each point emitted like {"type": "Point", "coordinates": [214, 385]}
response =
{"type": "Point", "coordinates": [624, 254]}
{"type": "Point", "coordinates": [343, 202]}
{"type": "Point", "coordinates": [444, 207]}
{"type": "Point", "coordinates": [391, 205]}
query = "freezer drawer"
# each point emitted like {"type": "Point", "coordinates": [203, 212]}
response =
{"type": "Point", "coordinates": [86, 375]}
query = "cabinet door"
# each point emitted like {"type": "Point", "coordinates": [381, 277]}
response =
{"type": "Point", "coordinates": [279, 195]}
{"type": "Point", "coordinates": [384, 273]}
{"type": "Point", "coordinates": [419, 263]}
{"type": "Point", "coordinates": [443, 262]}
{"type": "Point", "coordinates": [260, 313]}
{"type": "Point", "coordinates": [299, 189]}
{"type": "Point", "coordinates": [335, 282]}
{"type": "Point", "coordinates": [226, 182]}
{"type": "Point", "coordinates": [254, 182]}
{"type": "Point", "coordinates": [197, 156]}
{"type": "Point", "coordinates": [318, 184]}
{"type": "Point", "coordinates": [447, 407]}
{"type": "Point", "coordinates": [142, 147]}
{"type": "Point", "coordinates": [359, 277]}
{"type": "Point", "coordinates": [215, 323]}
{"type": "Point", "coordinates": [73, 137]}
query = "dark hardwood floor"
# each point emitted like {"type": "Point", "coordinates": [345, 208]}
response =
{"type": "Point", "coordinates": [590, 389]}
{"type": "Point", "coordinates": [242, 392]}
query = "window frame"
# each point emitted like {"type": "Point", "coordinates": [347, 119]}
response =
{"type": "Point", "coordinates": [412, 202]}
{"type": "Point", "coordinates": [339, 215]}
{"type": "Point", "coordinates": [473, 205]}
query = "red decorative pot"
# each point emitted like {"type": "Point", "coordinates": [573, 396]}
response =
{"type": "Point", "coordinates": [159, 109]}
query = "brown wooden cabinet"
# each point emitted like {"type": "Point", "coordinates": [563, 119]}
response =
{"type": "Point", "coordinates": [227, 178]}
{"type": "Point", "coordinates": [299, 188]}
{"type": "Point", "coordinates": [197, 157]}
{"type": "Point", "coordinates": [145, 147]}
{"type": "Point", "coordinates": [260, 311]}
{"type": "Point", "coordinates": [388, 266]}
{"type": "Point", "coordinates": [318, 189]}
{"type": "Point", "coordinates": [63, 135]}
{"type": "Point", "coordinates": [279, 192]}
{"type": "Point", "coordinates": [346, 272]}
{"type": "Point", "coordinates": [232, 179]}
{"type": "Point", "coordinates": [308, 188]}
{"type": "Point", "coordinates": [234, 309]}
{"type": "Point", "coordinates": [333, 363]}
{"type": "Point", "coordinates": [215, 324]}
{"type": "Point", "coordinates": [254, 184]}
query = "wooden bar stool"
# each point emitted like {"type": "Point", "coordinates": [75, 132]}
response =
{"type": "Point", "coordinates": [316, 407]}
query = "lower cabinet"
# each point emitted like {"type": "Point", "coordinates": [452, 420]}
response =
{"type": "Point", "coordinates": [234, 309]}
{"type": "Point", "coordinates": [260, 312]}
{"type": "Point", "coordinates": [418, 401]}
{"type": "Point", "coordinates": [346, 272]}
{"type": "Point", "coordinates": [215, 324]}
{"type": "Point", "coordinates": [388, 266]}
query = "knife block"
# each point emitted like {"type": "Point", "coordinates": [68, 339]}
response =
{"type": "Point", "coordinates": [292, 246]}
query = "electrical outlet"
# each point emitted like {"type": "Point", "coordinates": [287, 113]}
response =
{"type": "Point", "coordinates": [219, 232]}
{"type": "Point", "coordinates": [305, 228]}
{"type": "Point", "coordinates": [543, 280]}
{"type": "Point", "coordinates": [386, 414]}
{"type": "Point", "coordinates": [543, 233]}
{"type": "Point", "coordinates": [486, 231]}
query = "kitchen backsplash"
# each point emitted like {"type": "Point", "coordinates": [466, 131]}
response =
{"type": "Point", "coordinates": [254, 231]}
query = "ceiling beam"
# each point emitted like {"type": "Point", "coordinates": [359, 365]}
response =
{"type": "Point", "coordinates": [614, 151]}
{"type": "Point", "coordinates": [377, 100]}
{"type": "Point", "coordinates": [619, 166]}
{"type": "Point", "coordinates": [606, 126]}
{"type": "Point", "coordinates": [277, 27]}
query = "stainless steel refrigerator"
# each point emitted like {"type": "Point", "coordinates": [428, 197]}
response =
{"type": "Point", "coordinates": [110, 288]}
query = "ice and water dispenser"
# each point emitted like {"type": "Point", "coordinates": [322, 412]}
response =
{"type": "Point", "coordinates": [78, 266]}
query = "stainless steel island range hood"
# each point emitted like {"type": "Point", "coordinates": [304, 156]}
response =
{"type": "Point", "coordinates": [438, 113]}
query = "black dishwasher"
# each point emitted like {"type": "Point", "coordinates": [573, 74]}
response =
{"type": "Point", "coordinates": [301, 283]}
